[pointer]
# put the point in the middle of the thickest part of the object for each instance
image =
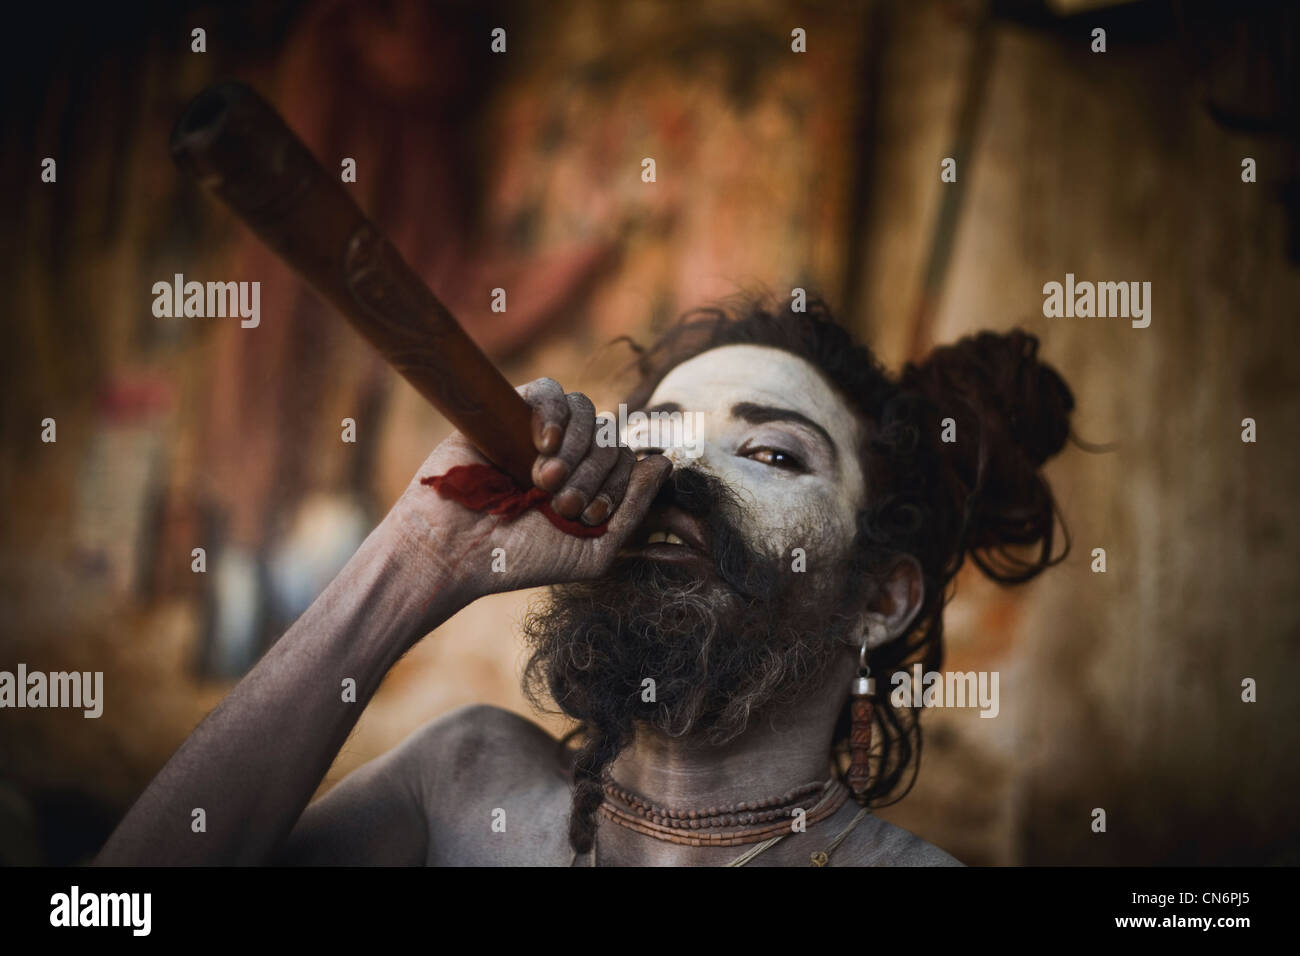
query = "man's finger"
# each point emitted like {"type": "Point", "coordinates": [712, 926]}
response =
{"type": "Point", "coordinates": [587, 479]}
{"type": "Point", "coordinates": [611, 493]}
{"type": "Point", "coordinates": [550, 413]}
{"type": "Point", "coordinates": [551, 472]}
{"type": "Point", "coordinates": [648, 476]}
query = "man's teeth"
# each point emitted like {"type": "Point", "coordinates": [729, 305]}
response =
{"type": "Point", "coordinates": [664, 537]}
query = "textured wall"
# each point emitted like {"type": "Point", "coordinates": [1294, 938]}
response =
{"type": "Point", "coordinates": [1119, 691]}
{"type": "Point", "coordinates": [1122, 690]}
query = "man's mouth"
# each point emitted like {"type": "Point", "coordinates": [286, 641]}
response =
{"type": "Point", "coordinates": [670, 534]}
{"type": "Point", "coordinates": [665, 536]}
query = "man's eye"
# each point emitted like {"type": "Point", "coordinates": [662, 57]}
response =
{"type": "Point", "coordinates": [776, 458]}
{"type": "Point", "coordinates": [643, 453]}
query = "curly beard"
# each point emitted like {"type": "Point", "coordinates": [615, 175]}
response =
{"type": "Point", "coordinates": [719, 650]}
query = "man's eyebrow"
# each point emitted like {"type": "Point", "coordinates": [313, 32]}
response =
{"type": "Point", "coordinates": [758, 414]}
{"type": "Point", "coordinates": [668, 407]}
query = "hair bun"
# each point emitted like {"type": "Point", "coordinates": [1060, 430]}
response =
{"type": "Point", "coordinates": [999, 375]}
{"type": "Point", "coordinates": [1012, 413]}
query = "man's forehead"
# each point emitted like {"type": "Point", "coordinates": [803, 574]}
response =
{"type": "Point", "coordinates": [722, 377]}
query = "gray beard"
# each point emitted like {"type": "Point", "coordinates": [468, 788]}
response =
{"type": "Point", "coordinates": [685, 655]}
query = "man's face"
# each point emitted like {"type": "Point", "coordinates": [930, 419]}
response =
{"type": "Point", "coordinates": [779, 439]}
{"type": "Point", "coordinates": [710, 600]}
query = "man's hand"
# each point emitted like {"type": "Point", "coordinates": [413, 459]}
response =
{"type": "Point", "coordinates": [591, 483]}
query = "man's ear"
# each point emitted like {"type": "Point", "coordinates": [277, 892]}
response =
{"type": "Point", "coordinates": [898, 599]}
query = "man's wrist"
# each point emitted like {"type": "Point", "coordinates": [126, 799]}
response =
{"type": "Point", "coordinates": [422, 561]}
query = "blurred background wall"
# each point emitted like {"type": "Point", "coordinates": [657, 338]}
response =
{"type": "Point", "coordinates": [775, 169]}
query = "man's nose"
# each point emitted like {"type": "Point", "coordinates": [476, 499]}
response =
{"type": "Point", "coordinates": [678, 440]}
{"type": "Point", "coordinates": [680, 456]}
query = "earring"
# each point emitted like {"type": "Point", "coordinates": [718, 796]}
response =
{"type": "Point", "coordinates": [861, 709]}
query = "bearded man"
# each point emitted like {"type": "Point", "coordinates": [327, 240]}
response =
{"type": "Point", "coordinates": [714, 644]}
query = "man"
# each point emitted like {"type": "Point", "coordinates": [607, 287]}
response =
{"type": "Point", "coordinates": [707, 642]}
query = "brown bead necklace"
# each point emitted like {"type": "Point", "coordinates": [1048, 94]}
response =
{"type": "Point", "coordinates": [749, 821]}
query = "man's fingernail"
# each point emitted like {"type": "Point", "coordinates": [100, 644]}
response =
{"type": "Point", "coordinates": [551, 436]}
{"type": "Point", "coordinates": [553, 474]}
{"type": "Point", "coordinates": [596, 512]}
{"type": "Point", "coordinates": [568, 503]}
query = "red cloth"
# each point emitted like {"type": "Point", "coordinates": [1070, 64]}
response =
{"type": "Point", "coordinates": [483, 488]}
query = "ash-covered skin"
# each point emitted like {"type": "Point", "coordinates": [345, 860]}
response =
{"type": "Point", "coordinates": [741, 631]}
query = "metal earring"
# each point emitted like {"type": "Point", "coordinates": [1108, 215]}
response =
{"type": "Point", "coordinates": [861, 709]}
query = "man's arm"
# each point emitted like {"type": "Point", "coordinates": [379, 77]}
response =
{"type": "Point", "coordinates": [252, 765]}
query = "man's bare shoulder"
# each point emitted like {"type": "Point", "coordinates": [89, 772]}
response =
{"type": "Point", "coordinates": [878, 843]}
{"type": "Point", "coordinates": [473, 745]}
{"type": "Point", "coordinates": [494, 786]}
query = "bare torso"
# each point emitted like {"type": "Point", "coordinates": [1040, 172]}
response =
{"type": "Point", "coordinates": [486, 787]}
